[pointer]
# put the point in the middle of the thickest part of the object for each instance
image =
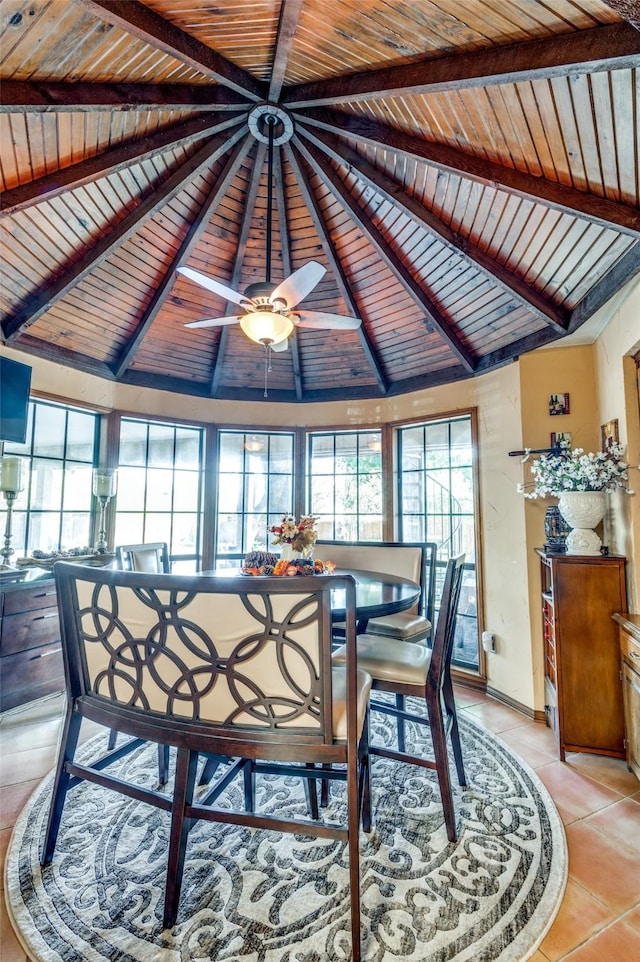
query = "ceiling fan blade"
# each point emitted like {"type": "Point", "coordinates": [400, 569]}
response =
{"type": "Point", "coordinates": [328, 322]}
{"type": "Point", "coordinates": [281, 345]}
{"type": "Point", "coordinates": [212, 285]}
{"type": "Point", "coordinates": [213, 322]}
{"type": "Point", "coordinates": [296, 287]}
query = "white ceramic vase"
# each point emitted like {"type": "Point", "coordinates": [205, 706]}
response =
{"type": "Point", "coordinates": [583, 510]}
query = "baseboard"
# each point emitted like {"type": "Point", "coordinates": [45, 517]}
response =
{"type": "Point", "coordinates": [500, 696]}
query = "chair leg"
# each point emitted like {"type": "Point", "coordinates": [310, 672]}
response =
{"type": "Point", "coordinates": [450, 705]}
{"type": "Point", "coordinates": [311, 792]}
{"type": "Point", "coordinates": [364, 768]}
{"type": "Point", "coordinates": [400, 723]}
{"type": "Point", "coordinates": [68, 744]}
{"type": "Point", "coordinates": [353, 823]}
{"type": "Point", "coordinates": [324, 793]}
{"type": "Point", "coordinates": [163, 764]}
{"type": "Point", "coordinates": [439, 739]}
{"type": "Point", "coordinates": [113, 737]}
{"type": "Point", "coordinates": [185, 778]}
{"type": "Point", "coordinates": [249, 786]}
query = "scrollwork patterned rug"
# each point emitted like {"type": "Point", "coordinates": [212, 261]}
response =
{"type": "Point", "coordinates": [255, 896]}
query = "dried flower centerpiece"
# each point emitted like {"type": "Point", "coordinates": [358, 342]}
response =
{"type": "Point", "coordinates": [300, 535]}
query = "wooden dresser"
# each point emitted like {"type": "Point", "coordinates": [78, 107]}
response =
{"type": "Point", "coordinates": [583, 689]}
{"type": "Point", "coordinates": [30, 650]}
{"type": "Point", "coordinates": [630, 654]}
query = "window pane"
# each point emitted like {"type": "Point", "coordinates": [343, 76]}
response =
{"type": "Point", "coordinates": [345, 491]}
{"type": "Point", "coordinates": [81, 436]}
{"type": "Point", "coordinates": [231, 452]}
{"type": "Point", "coordinates": [75, 525]}
{"type": "Point", "coordinates": [437, 503]}
{"type": "Point", "coordinates": [133, 443]}
{"type": "Point", "coordinates": [44, 531]}
{"type": "Point", "coordinates": [159, 490]}
{"type": "Point", "coordinates": [129, 528]}
{"type": "Point", "coordinates": [230, 493]}
{"type": "Point", "coordinates": [187, 449]}
{"type": "Point", "coordinates": [161, 438]}
{"type": "Point", "coordinates": [131, 490]}
{"type": "Point", "coordinates": [46, 484]}
{"type": "Point", "coordinates": [49, 434]}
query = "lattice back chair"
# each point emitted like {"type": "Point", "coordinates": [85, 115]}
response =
{"type": "Point", "coordinates": [387, 557]}
{"type": "Point", "coordinates": [232, 667]}
{"type": "Point", "coordinates": [424, 673]}
{"type": "Point", "coordinates": [150, 557]}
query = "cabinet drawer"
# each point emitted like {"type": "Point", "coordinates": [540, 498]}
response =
{"type": "Point", "coordinates": [29, 629]}
{"type": "Point", "coordinates": [630, 649]}
{"type": "Point", "coordinates": [40, 596]}
{"type": "Point", "coordinates": [31, 674]}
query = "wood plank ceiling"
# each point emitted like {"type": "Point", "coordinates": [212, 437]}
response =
{"type": "Point", "coordinates": [468, 171]}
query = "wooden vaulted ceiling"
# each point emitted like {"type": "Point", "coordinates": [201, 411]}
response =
{"type": "Point", "coordinates": [468, 171]}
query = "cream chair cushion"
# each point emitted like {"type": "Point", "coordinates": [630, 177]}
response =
{"type": "Point", "coordinates": [388, 659]}
{"type": "Point", "coordinates": [339, 691]}
{"type": "Point", "coordinates": [405, 625]}
{"type": "Point", "coordinates": [146, 560]}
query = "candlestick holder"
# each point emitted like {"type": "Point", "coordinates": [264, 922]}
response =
{"type": "Point", "coordinates": [11, 486]}
{"type": "Point", "coordinates": [105, 485]}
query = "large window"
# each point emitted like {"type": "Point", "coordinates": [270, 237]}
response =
{"type": "Point", "coordinates": [437, 503]}
{"type": "Point", "coordinates": [54, 511]}
{"type": "Point", "coordinates": [255, 489]}
{"type": "Point", "coordinates": [160, 481]}
{"type": "Point", "coordinates": [344, 485]}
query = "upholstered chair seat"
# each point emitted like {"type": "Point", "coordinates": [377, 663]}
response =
{"type": "Point", "coordinates": [392, 660]}
{"type": "Point", "coordinates": [405, 625]}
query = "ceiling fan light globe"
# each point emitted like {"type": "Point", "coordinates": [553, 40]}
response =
{"type": "Point", "coordinates": [266, 327]}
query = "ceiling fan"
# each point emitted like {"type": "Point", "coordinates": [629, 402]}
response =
{"type": "Point", "coordinates": [269, 316]}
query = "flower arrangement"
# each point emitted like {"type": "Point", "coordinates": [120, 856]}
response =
{"type": "Point", "coordinates": [301, 535]}
{"type": "Point", "coordinates": [574, 470]}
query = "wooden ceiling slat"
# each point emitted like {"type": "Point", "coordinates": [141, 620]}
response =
{"type": "Point", "coordinates": [603, 48]}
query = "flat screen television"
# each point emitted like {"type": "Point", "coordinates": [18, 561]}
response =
{"type": "Point", "coordinates": [15, 384]}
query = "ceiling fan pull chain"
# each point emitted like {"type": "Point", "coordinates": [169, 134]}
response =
{"type": "Point", "coordinates": [267, 366]}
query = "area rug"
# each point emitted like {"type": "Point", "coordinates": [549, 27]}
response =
{"type": "Point", "coordinates": [256, 896]}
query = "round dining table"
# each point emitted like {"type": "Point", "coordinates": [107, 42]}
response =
{"type": "Point", "coordinates": [377, 594]}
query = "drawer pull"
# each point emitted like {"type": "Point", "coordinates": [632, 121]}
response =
{"type": "Point", "coordinates": [634, 654]}
{"type": "Point", "coordinates": [49, 614]}
{"type": "Point", "coordinates": [44, 654]}
{"type": "Point", "coordinates": [45, 594]}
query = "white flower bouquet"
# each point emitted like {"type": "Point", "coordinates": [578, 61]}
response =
{"type": "Point", "coordinates": [576, 471]}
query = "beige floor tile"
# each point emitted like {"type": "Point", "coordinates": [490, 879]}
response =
{"type": "Point", "coordinates": [621, 822]}
{"type": "Point", "coordinates": [11, 950]}
{"type": "Point", "coordinates": [13, 799]}
{"type": "Point", "coordinates": [632, 918]}
{"type": "Point", "coordinates": [612, 772]}
{"type": "Point", "coordinates": [617, 943]}
{"type": "Point", "coordinates": [580, 916]}
{"type": "Point", "coordinates": [572, 791]}
{"type": "Point", "coordinates": [603, 868]}
{"type": "Point", "coordinates": [496, 718]}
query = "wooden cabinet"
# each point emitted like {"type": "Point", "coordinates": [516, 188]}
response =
{"type": "Point", "coordinates": [630, 654]}
{"type": "Point", "coordinates": [30, 650]}
{"type": "Point", "coordinates": [583, 690]}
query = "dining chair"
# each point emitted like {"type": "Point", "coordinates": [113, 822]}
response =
{"type": "Point", "coordinates": [416, 624]}
{"type": "Point", "coordinates": [150, 557]}
{"type": "Point", "coordinates": [231, 667]}
{"type": "Point", "coordinates": [404, 559]}
{"type": "Point", "coordinates": [424, 673]}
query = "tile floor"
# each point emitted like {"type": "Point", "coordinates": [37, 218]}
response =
{"type": "Point", "coordinates": [598, 799]}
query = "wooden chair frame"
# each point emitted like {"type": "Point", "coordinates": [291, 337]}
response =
{"type": "Point", "coordinates": [290, 621]}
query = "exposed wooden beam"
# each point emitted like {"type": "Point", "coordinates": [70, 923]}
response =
{"type": "Point", "coordinates": [285, 242]}
{"type": "Point", "coordinates": [194, 233]}
{"type": "Point", "coordinates": [617, 276]}
{"type": "Point", "coordinates": [49, 293]}
{"type": "Point", "coordinates": [364, 223]}
{"type": "Point", "coordinates": [366, 130]}
{"type": "Point", "coordinates": [109, 162]}
{"type": "Point", "coordinates": [149, 27]}
{"type": "Point", "coordinates": [474, 255]}
{"type": "Point", "coordinates": [40, 96]}
{"type": "Point", "coordinates": [336, 268]}
{"type": "Point", "coordinates": [287, 24]}
{"type": "Point", "coordinates": [241, 249]}
{"type": "Point", "coordinates": [603, 48]}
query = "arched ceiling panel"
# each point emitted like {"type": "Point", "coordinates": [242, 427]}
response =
{"type": "Point", "coordinates": [467, 174]}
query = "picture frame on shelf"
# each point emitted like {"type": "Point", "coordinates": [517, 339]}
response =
{"type": "Point", "coordinates": [559, 404]}
{"type": "Point", "coordinates": [610, 434]}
